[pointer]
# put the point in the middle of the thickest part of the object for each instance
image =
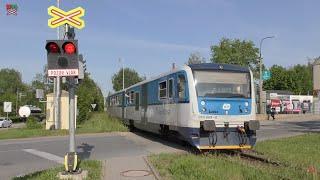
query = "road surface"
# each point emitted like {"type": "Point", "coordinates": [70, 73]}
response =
{"type": "Point", "coordinates": [22, 156]}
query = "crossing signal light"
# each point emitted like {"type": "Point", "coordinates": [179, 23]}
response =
{"type": "Point", "coordinates": [69, 48]}
{"type": "Point", "coordinates": [62, 57]}
{"type": "Point", "coordinates": [52, 47]}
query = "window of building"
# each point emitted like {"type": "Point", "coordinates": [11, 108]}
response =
{"type": "Point", "coordinates": [163, 90]}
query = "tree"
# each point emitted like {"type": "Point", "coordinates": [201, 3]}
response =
{"type": "Point", "coordinates": [300, 77]}
{"type": "Point", "coordinates": [236, 51]}
{"type": "Point", "coordinates": [10, 84]}
{"type": "Point", "coordinates": [88, 93]}
{"type": "Point", "coordinates": [297, 79]}
{"type": "Point", "coordinates": [130, 77]}
{"type": "Point", "coordinates": [196, 58]}
{"type": "Point", "coordinates": [279, 79]}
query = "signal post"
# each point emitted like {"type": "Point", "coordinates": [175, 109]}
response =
{"type": "Point", "coordinates": [63, 61]}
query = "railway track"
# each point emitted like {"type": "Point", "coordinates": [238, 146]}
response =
{"type": "Point", "coordinates": [252, 155]}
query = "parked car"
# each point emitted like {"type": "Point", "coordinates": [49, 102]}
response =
{"type": "Point", "coordinates": [34, 109]}
{"type": "Point", "coordinates": [5, 123]}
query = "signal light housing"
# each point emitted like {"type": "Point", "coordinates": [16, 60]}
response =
{"type": "Point", "coordinates": [62, 57]}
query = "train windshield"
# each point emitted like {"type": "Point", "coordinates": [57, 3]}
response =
{"type": "Point", "coordinates": [222, 84]}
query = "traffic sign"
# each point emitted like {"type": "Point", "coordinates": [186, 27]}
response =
{"type": "Point", "coordinates": [39, 93]}
{"type": "Point", "coordinates": [63, 72]}
{"type": "Point", "coordinates": [7, 107]}
{"type": "Point", "coordinates": [93, 106]}
{"type": "Point", "coordinates": [24, 111]}
{"type": "Point", "coordinates": [60, 17]}
{"type": "Point", "coordinates": [266, 75]}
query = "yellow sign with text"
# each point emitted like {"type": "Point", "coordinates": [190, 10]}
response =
{"type": "Point", "coordinates": [60, 17]}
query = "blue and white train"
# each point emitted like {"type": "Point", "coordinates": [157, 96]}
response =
{"type": "Point", "coordinates": [211, 106]}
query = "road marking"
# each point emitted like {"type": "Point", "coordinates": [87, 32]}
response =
{"type": "Point", "coordinates": [45, 155]}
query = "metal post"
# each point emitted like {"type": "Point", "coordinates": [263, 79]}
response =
{"type": "Point", "coordinates": [58, 95]}
{"type": "Point", "coordinates": [17, 102]}
{"type": "Point", "coordinates": [122, 76]}
{"type": "Point", "coordinates": [72, 114]}
{"type": "Point", "coordinates": [260, 86]}
{"type": "Point", "coordinates": [261, 106]}
{"type": "Point", "coordinates": [58, 29]}
{"type": "Point", "coordinates": [57, 90]}
{"type": "Point", "coordinates": [318, 110]}
{"type": "Point", "coordinates": [120, 60]}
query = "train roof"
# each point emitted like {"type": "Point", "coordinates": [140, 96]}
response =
{"type": "Point", "coordinates": [224, 67]}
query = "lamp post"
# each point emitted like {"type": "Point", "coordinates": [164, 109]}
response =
{"type": "Point", "coordinates": [122, 64]}
{"type": "Point", "coordinates": [260, 73]}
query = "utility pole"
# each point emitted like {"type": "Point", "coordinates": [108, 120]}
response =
{"type": "Point", "coordinates": [57, 90]}
{"type": "Point", "coordinates": [120, 60]}
{"type": "Point", "coordinates": [261, 106]}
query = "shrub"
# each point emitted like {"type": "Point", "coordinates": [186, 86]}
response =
{"type": "Point", "coordinates": [32, 123]}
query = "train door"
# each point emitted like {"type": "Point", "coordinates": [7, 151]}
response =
{"type": "Point", "coordinates": [181, 90]}
{"type": "Point", "coordinates": [181, 87]}
{"type": "Point", "coordinates": [144, 103]}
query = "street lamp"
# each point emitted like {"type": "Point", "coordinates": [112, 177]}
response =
{"type": "Point", "coordinates": [122, 63]}
{"type": "Point", "coordinates": [260, 73]}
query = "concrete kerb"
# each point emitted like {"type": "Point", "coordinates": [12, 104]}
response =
{"type": "Point", "coordinates": [103, 169]}
{"type": "Point", "coordinates": [152, 168]}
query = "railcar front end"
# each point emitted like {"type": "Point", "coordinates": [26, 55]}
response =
{"type": "Point", "coordinates": [225, 101]}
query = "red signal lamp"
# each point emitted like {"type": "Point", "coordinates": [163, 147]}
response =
{"type": "Point", "coordinates": [69, 48]}
{"type": "Point", "coordinates": [52, 47]}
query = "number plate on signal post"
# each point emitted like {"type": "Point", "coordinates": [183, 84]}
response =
{"type": "Point", "coordinates": [63, 72]}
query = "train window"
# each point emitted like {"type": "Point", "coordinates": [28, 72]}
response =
{"type": "Point", "coordinates": [181, 86]}
{"type": "Point", "coordinates": [163, 90]}
{"type": "Point", "coordinates": [137, 102]}
{"type": "Point", "coordinates": [127, 98]}
{"type": "Point", "coordinates": [170, 88]}
{"type": "Point", "coordinates": [117, 100]}
{"type": "Point", "coordinates": [131, 97]}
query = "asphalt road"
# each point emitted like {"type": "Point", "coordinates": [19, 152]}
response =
{"type": "Point", "coordinates": [19, 157]}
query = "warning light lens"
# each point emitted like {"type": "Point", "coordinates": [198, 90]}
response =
{"type": "Point", "coordinates": [53, 48]}
{"type": "Point", "coordinates": [69, 48]}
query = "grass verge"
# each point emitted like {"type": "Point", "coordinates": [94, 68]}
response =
{"type": "Point", "coordinates": [93, 168]}
{"type": "Point", "coordinates": [300, 152]}
{"type": "Point", "coordinates": [98, 123]}
{"type": "Point", "coordinates": [297, 154]}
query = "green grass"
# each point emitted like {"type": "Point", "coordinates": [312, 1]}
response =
{"type": "Point", "coordinates": [101, 122]}
{"type": "Point", "coordinates": [299, 151]}
{"type": "Point", "coordinates": [98, 123]}
{"type": "Point", "coordinates": [296, 154]}
{"type": "Point", "coordinates": [93, 168]}
{"type": "Point", "coordinates": [189, 166]}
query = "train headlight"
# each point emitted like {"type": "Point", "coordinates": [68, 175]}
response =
{"type": "Point", "coordinates": [203, 103]}
{"type": "Point", "coordinates": [246, 110]}
{"type": "Point", "coordinates": [246, 104]}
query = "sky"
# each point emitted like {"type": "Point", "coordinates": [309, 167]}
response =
{"type": "Point", "coordinates": [150, 35]}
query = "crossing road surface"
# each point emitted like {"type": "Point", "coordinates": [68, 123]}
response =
{"type": "Point", "coordinates": [19, 157]}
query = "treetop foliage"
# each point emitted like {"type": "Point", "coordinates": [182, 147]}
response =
{"type": "Point", "coordinates": [131, 77]}
{"type": "Point", "coordinates": [196, 58]}
{"type": "Point", "coordinates": [236, 51]}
